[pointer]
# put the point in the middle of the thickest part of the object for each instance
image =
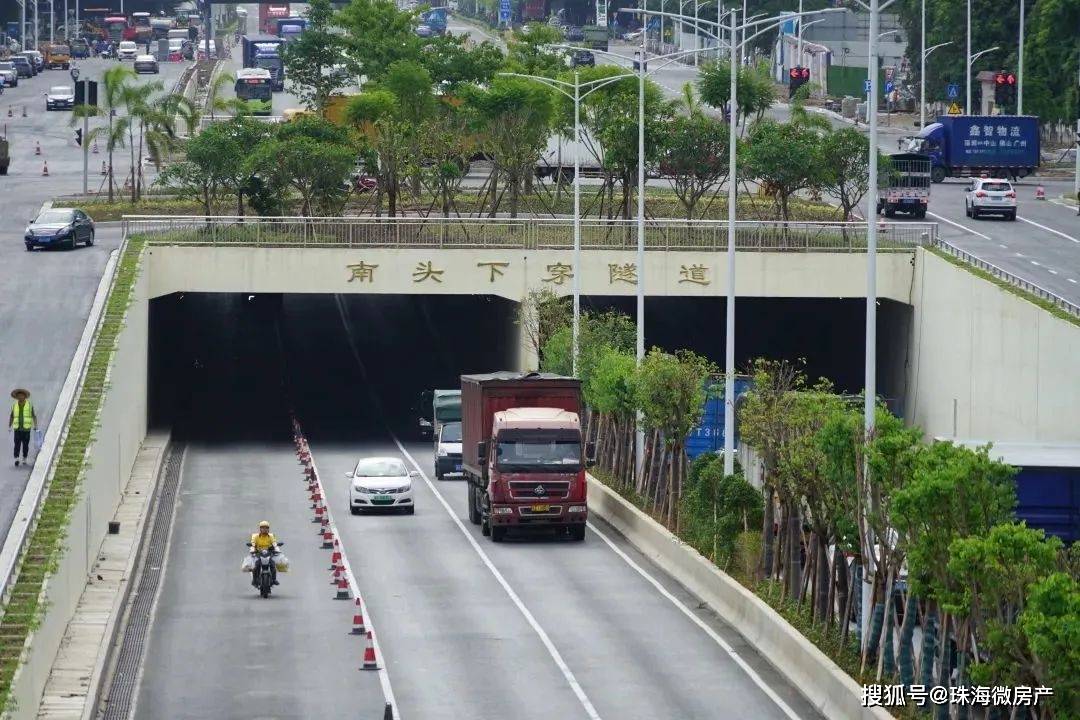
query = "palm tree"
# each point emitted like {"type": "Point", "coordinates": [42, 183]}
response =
{"type": "Point", "coordinates": [114, 82]}
{"type": "Point", "coordinates": [137, 101]}
{"type": "Point", "coordinates": [216, 103]}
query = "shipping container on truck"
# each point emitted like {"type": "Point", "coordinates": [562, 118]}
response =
{"type": "Point", "coordinates": [708, 436]}
{"type": "Point", "coordinates": [1047, 483]}
{"type": "Point", "coordinates": [523, 453]}
{"type": "Point", "coordinates": [1002, 146]}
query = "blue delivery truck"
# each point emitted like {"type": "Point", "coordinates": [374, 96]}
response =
{"type": "Point", "coordinates": [263, 51]}
{"type": "Point", "coordinates": [1002, 146]}
{"type": "Point", "coordinates": [709, 435]}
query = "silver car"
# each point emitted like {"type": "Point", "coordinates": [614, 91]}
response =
{"type": "Point", "coordinates": [60, 97]}
{"type": "Point", "coordinates": [146, 63]}
{"type": "Point", "coordinates": [9, 76]}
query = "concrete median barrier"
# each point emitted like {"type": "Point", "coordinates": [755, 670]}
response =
{"type": "Point", "coordinates": [820, 680]}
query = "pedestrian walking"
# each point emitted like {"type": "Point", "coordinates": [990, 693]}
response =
{"type": "Point", "coordinates": [22, 422]}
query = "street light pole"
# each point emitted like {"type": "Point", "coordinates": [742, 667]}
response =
{"type": "Point", "coordinates": [1020, 66]}
{"type": "Point", "coordinates": [798, 51]}
{"type": "Point", "coordinates": [967, 61]}
{"type": "Point", "coordinates": [639, 439]}
{"type": "Point", "coordinates": [729, 318]}
{"type": "Point", "coordinates": [577, 219]}
{"type": "Point", "coordinates": [922, 70]}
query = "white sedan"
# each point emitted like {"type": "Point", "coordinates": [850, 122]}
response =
{"type": "Point", "coordinates": [990, 195]}
{"type": "Point", "coordinates": [381, 482]}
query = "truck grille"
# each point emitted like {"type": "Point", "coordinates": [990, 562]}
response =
{"type": "Point", "coordinates": [539, 489]}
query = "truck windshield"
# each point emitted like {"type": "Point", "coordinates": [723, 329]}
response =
{"type": "Point", "coordinates": [538, 452]}
{"type": "Point", "coordinates": [451, 432]}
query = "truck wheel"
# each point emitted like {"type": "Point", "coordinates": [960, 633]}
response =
{"type": "Point", "coordinates": [498, 534]}
{"type": "Point", "coordinates": [577, 532]}
{"type": "Point", "coordinates": [474, 514]}
{"type": "Point", "coordinates": [937, 174]}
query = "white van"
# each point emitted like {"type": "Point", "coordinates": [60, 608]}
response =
{"type": "Point", "coordinates": [127, 50]}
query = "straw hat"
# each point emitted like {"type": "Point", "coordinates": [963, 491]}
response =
{"type": "Point", "coordinates": [15, 393]}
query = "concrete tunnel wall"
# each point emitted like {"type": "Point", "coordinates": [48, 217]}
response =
{"type": "Point", "coordinates": [1010, 367]}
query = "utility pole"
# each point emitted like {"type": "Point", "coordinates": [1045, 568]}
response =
{"type": "Point", "coordinates": [967, 63]}
{"type": "Point", "coordinates": [798, 46]}
{"type": "Point", "coordinates": [1020, 66]}
{"type": "Point", "coordinates": [639, 438]}
{"type": "Point", "coordinates": [922, 69]}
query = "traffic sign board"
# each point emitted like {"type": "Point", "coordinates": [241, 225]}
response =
{"type": "Point", "coordinates": [954, 109]}
{"type": "Point", "coordinates": [504, 11]}
{"type": "Point", "coordinates": [889, 86]}
{"type": "Point", "coordinates": [952, 90]}
{"type": "Point", "coordinates": [866, 85]}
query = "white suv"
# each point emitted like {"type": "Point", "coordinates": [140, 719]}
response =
{"type": "Point", "coordinates": [127, 50]}
{"type": "Point", "coordinates": [988, 195]}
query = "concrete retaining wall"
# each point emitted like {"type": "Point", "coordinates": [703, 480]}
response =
{"type": "Point", "coordinates": [122, 427]}
{"type": "Point", "coordinates": [823, 683]}
{"type": "Point", "coordinates": [1008, 367]}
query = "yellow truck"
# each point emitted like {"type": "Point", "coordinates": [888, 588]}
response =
{"type": "Point", "coordinates": [335, 107]}
{"type": "Point", "coordinates": [57, 56]}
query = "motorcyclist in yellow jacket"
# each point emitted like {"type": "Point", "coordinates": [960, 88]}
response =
{"type": "Point", "coordinates": [260, 541]}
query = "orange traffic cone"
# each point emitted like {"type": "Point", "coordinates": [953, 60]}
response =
{"type": "Point", "coordinates": [358, 619]}
{"type": "Point", "coordinates": [37, 148]}
{"type": "Point", "coordinates": [9, 113]}
{"type": "Point", "coordinates": [369, 655]}
{"type": "Point", "coordinates": [95, 150]}
{"type": "Point", "coordinates": [342, 589]}
{"type": "Point", "coordinates": [45, 169]}
{"type": "Point", "coordinates": [1040, 193]}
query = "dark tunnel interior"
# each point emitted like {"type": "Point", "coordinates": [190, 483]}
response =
{"type": "Point", "coordinates": [228, 367]}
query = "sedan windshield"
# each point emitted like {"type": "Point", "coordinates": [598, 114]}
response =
{"type": "Point", "coordinates": [451, 432]}
{"type": "Point", "coordinates": [996, 187]}
{"type": "Point", "coordinates": [523, 453]}
{"type": "Point", "coordinates": [55, 216]}
{"type": "Point", "coordinates": [380, 467]}
{"type": "Point", "coordinates": [61, 90]}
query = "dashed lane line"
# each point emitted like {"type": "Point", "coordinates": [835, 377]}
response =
{"type": "Point", "coordinates": [571, 679]}
{"type": "Point", "coordinates": [1049, 229]}
{"type": "Point", "coordinates": [956, 224]}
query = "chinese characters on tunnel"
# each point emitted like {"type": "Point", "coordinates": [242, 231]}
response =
{"type": "Point", "coordinates": [557, 273]}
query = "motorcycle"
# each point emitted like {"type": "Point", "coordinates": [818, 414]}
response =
{"type": "Point", "coordinates": [261, 573]}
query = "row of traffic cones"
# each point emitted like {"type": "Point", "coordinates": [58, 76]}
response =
{"type": "Point", "coordinates": [339, 574]}
{"type": "Point", "coordinates": [11, 112]}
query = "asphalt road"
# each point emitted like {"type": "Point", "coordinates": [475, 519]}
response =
{"type": "Point", "coordinates": [1042, 246]}
{"type": "Point", "coordinates": [46, 295]}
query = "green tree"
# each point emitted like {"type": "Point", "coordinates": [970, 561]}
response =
{"type": "Point", "coordinates": [311, 60]}
{"type": "Point", "coordinates": [540, 315]}
{"type": "Point", "coordinates": [384, 141]}
{"type": "Point", "coordinates": [696, 158]}
{"type": "Point", "coordinates": [115, 131]}
{"type": "Point", "coordinates": [785, 158]}
{"type": "Point", "coordinates": [530, 51]}
{"type": "Point", "coordinates": [316, 170]}
{"type": "Point", "coordinates": [452, 62]}
{"type": "Point", "coordinates": [377, 35]}
{"type": "Point", "coordinates": [756, 92]}
{"type": "Point", "coordinates": [845, 159]}
{"type": "Point", "coordinates": [1051, 625]}
{"type": "Point", "coordinates": [611, 391]}
{"type": "Point", "coordinates": [671, 392]}
{"type": "Point", "coordinates": [716, 508]}
{"type": "Point", "coordinates": [516, 119]}
{"type": "Point", "coordinates": [447, 143]}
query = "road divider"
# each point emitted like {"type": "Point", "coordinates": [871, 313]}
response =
{"type": "Point", "coordinates": [343, 579]}
{"type": "Point", "coordinates": [832, 691]}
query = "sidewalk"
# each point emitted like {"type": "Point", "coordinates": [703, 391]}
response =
{"type": "Point", "coordinates": [77, 672]}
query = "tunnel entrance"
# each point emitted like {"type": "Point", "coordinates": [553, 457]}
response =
{"type": "Point", "coordinates": [228, 367]}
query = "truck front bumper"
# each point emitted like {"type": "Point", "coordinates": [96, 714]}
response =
{"type": "Point", "coordinates": [539, 514]}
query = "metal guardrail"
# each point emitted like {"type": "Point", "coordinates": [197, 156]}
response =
{"type": "Point", "coordinates": [1006, 276]}
{"type": "Point", "coordinates": [205, 122]}
{"type": "Point", "coordinates": [535, 234]}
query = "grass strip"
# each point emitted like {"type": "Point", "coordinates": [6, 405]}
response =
{"type": "Point", "coordinates": [25, 609]}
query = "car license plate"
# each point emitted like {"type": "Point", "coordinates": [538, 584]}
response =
{"type": "Point", "coordinates": [382, 500]}
{"type": "Point", "coordinates": [541, 508]}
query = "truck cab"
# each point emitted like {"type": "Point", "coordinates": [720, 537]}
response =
{"type": "Point", "coordinates": [448, 450]}
{"type": "Point", "coordinates": [524, 456]}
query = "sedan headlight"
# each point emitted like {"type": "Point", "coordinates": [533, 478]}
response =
{"type": "Point", "coordinates": [64, 231]}
{"type": "Point", "coordinates": [362, 489]}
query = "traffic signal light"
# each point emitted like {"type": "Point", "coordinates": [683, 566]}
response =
{"type": "Point", "coordinates": [78, 136]}
{"type": "Point", "coordinates": [797, 77]}
{"type": "Point", "coordinates": [1004, 88]}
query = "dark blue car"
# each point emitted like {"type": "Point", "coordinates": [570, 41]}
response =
{"type": "Point", "coordinates": [64, 227]}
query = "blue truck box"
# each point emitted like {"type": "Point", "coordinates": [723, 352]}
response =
{"type": "Point", "coordinates": [709, 435]}
{"type": "Point", "coordinates": [1004, 146]}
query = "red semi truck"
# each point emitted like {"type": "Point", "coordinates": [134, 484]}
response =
{"type": "Point", "coordinates": [269, 14]}
{"type": "Point", "coordinates": [522, 452]}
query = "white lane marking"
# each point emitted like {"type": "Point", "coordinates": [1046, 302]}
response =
{"type": "Point", "coordinates": [1052, 271]}
{"type": "Point", "coordinates": [700, 623]}
{"type": "Point", "coordinates": [1033, 263]}
{"type": "Point", "coordinates": [1020, 254]}
{"type": "Point", "coordinates": [956, 224]}
{"type": "Point", "coordinates": [1072, 281]}
{"type": "Point", "coordinates": [354, 586]}
{"type": "Point", "coordinates": [1003, 247]}
{"type": "Point", "coordinates": [552, 650]}
{"type": "Point", "coordinates": [1048, 229]}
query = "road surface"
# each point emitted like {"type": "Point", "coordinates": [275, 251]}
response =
{"type": "Point", "coordinates": [46, 295]}
{"type": "Point", "coordinates": [533, 628]}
